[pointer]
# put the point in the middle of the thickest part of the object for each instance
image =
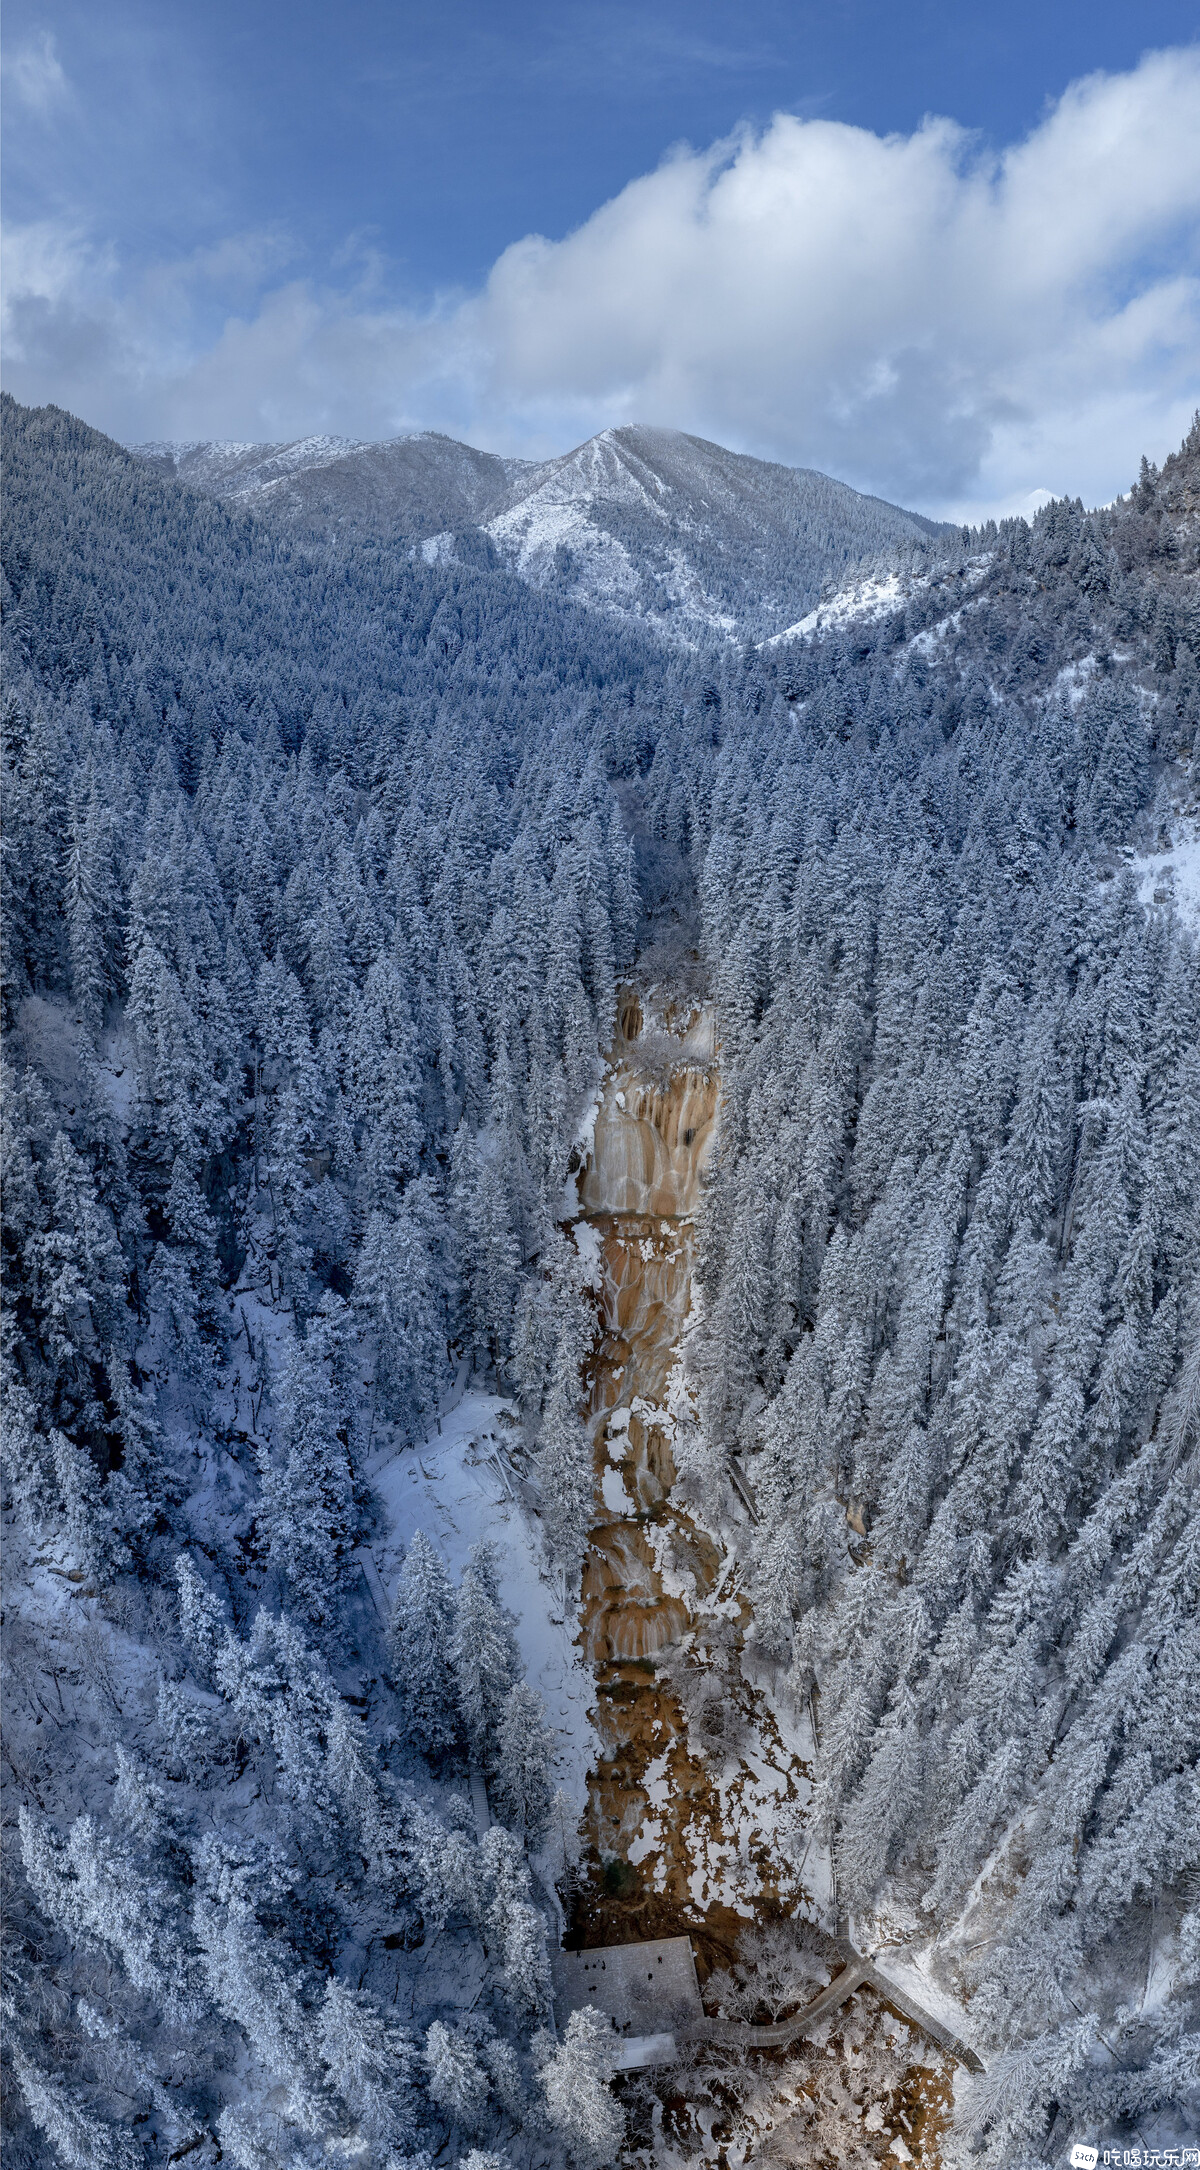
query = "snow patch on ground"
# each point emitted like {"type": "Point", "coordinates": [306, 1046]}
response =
{"type": "Point", "coordinates": [875, 597]}
{"type": "Point", "coordinates": [810, 1858]}
{"type": "Point", "coordinates": [910, 1971]}
{"type": "Point", "coordinates": [615, 1493]}
{"type": "Point", "coordinates": [1072, 682]}
{"type": "Point", "coordinates": [1173, 876]}
{"type": "Point", "coordinates": [872, 598]}
{"type": "Point", "coordinates": [757, 1809]}
{"type": "Point", "coordinates": [456, 1488]}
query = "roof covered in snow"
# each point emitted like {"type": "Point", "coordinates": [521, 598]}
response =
{"type": "Point", "coordinates": [643, 1987]}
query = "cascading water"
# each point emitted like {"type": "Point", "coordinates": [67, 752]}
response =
{"type": "Point", "coordinates": [695, 1807]}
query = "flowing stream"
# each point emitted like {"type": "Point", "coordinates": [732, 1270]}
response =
{"type": "Point", "coordinates": [696, 1812]}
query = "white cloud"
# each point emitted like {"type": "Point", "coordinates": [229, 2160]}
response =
{"type": "Point", "coordinates": [44, 262]}
{"type": "Point", "coordinates": [949, 327]}
{"type": "Point", "coordinates": [36, 74]}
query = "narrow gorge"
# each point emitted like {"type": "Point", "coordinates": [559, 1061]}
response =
{"type": "Point", "coordinates": [697, 1804]}
{"type": "Point", "coordinates": [699, 1818]}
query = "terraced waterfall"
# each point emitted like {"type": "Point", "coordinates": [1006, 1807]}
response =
{"type": "Point", "coordinates": [698, 1815]}
{"type": "Point", "coordinates": [697, 1804]}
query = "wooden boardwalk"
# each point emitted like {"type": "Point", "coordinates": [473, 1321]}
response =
{"type": "Point", "coordinates": [857, 1974]}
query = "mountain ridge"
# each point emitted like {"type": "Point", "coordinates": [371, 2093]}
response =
{"type": "Point", "coordinates": [638, 521]}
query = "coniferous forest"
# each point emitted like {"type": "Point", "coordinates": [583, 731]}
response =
{"type": "Point", "coordinates": [325, 867]}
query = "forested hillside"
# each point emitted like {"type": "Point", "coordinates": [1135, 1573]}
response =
{"type": "Point", "coordinates": [952, 1286]}
{"type": "Point", "coordinates": [323, 866]}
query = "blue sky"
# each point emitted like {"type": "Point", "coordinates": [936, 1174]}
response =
{"type": "Point", "coordinates": [258, 220]}
{"type": "Point", "coordinates": [439, 133]}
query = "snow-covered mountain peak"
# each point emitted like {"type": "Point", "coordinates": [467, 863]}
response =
{"type": "Point", "coordinates": [696, 538]}
{"type": "Point", "coordinates": [646, 522]}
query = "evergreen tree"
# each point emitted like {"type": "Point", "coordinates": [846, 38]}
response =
{"type": "Point", "coordinates": [307, 1509]}
{"type": "Point", "coordinates": [456, 2080]}
{"type": "Point", "coordinates": [483, 1656]}
{"type": "Point", "coordinates": [370, 2060]}
{"type": "Point", "coordinates": [419, 1644]}
{"type": "Point", "coordinates": [521, 1787]}
{"type": "Point", "coordinates": [401, 1287]}
{"type": "Point", "coordinates": [564, 1468]}
{"type": "Point", "coordinates": [81, 2139]}
{"type": "Point", "coordinates": [579, 2101]}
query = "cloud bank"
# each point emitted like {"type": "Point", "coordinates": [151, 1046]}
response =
{"type": "Point", "coordinates": [952, 327]}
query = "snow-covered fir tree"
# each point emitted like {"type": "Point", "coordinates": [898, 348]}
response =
{"type": "Point", "coordinates": [323, 865]}
{"type": "Point", "coordinates": [419, 1642]}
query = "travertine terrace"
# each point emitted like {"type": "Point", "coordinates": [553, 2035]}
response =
{"type": "Point", "coordinates": [679, 1839]}
{"type": "Point", "coordinates": [705, 1835]}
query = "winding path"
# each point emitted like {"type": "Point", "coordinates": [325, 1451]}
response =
{"type": "Point", "coordinates": [857, 1974]}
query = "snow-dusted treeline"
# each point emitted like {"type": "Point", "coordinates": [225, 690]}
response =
{"type": "Point", "coordinates": [316, 896]}
{"type": "Point", "coordinates": [322, 867]}
{"type": "Point", "coordinates": [953, 1320]}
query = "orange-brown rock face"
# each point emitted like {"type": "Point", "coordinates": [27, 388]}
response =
{"type": "Point", "coordinates": [640, 1188]}
{"type": "Point", "coordinates": [652, 1146]}
{"type": "Point", "coordinates": [674, 1844]}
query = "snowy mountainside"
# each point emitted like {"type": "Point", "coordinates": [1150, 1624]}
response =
{"type": "Point", "coordinates": [329, 873]}
{"type": "Point", "coordinates": [233, 470]}
{"type": "Point", "coordinates": [644, 523]}
{"type": "Point", "coordinates": [884, 592]}
{"type": "Point", "coordinates": [693, 536]}
{"type": "Point", "coordinates": [415, 485]}
{"type": "Point", "coordinates": [1153, 532]}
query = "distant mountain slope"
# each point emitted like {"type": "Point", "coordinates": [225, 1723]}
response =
{"type": "Point", "coordinates": [413, 486]}
{"type": "Point", "coordinates": [646, 523]}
